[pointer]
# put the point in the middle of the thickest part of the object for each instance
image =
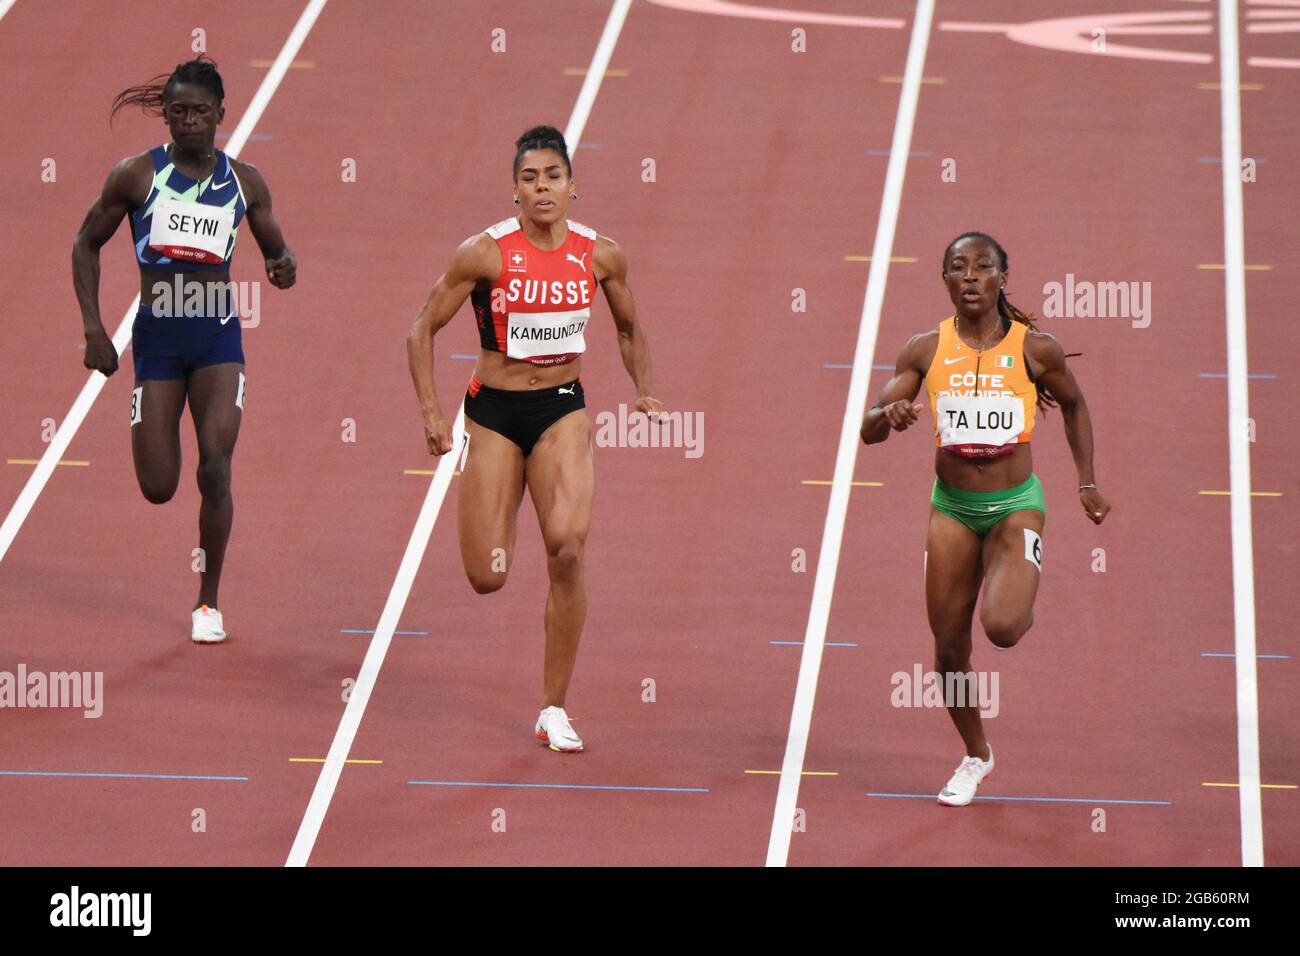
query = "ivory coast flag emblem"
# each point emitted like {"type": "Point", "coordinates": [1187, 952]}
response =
{"type": "Point", "coordinates": [1005, 361]}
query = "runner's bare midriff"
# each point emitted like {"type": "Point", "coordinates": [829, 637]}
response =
{"type": "Point", "coordinates": [984, 474]}
{"type": "Point", "coordinates": [150, 278]}
{"type": "Point", "coordinates": [496, 370]}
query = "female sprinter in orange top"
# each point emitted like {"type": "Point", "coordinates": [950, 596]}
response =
{"type": "Point", "coordinates": [531, 280]}
{"type": "Point", "coordinates": [986, 369]}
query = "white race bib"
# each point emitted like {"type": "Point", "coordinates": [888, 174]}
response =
{"type": "Point", "coordinates": [536, 334]}
{"type": "Point", "coordinates": [988, 420]}
{"type": "Point", "coordinates": [191, 231]}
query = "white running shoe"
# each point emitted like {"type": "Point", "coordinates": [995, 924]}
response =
{"type": "Point", "coordinates": [960, 790]}
{"type": "Point", "coordinates": [554, 730]}
{"type": "Point", "coordinates": [207, 626]}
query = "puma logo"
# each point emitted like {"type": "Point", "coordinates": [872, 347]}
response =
{"type": "Point", "coordinates": [572, 258]}
{"type": "Point", "coordinates": [568, 391]}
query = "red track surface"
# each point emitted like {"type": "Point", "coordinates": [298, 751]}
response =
{"type": "Point", "coordinates": [761, 159]}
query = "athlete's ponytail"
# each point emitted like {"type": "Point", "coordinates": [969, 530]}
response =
{"type": "Point", "coordinates": [542, 137]}
{"type": "Point", "coordinates": [152, 96]}
{"type": "Point", "coordinates": [1005, 309]}
{"type": "Point", "coordinates": [1012, 314]}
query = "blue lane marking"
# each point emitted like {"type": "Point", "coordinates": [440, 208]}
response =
{"type": "Point", "coordinates": [826, 644]}
{"type": "Point", "coordinates": [931, 796]}
{"type": "Point", "coordinates": [357, 630]}
{"type": "Point", "coordinates": [554, 786]}
{"type": "Point", "coordinates": [128, 776]}
{"type": "Point", "coordinates": [915, 152]}
{"type": "Point", "coordinates": [878, 368]}
{"type": "Point", "coordinates": [1249, 375]}
{"type": "Point", "coordinates": [464, 356]}
{"type": "Point", "coordinates": [1267, 657]}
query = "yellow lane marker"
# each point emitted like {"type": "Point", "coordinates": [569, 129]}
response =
{"type": "Point", "coordinates": [1248, 268]}
{"type": "Point", "coordinates": [855, 484]}
{"type": "Point", "coordinates": [902, 259]}
{"type": "Point", "coordinates": [582, 71]}
{"type": "Point", "coordinates": [1243, 86]}
{"type": "Point", "coordinates": [35, 461]}
{"type": "Point", "coordinates": [1263, 786]}
{"type": "Point", "coordinates": [322, 760]}
{"type": "Point", "coordinates": [806, 773]}
{"type": "Point", "coordinates": [293, 64]}
{"type": "Point", "coordinates": [936, 80]}
{"type": "Point", "coordinates": [1253, 494]}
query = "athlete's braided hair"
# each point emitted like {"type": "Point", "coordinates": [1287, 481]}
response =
{"type": "Point", "coordinates": [1005, 309]}
{"type": "Point", "coordinates": [152, 96]}
{"type": "Point", "coordinates": [542, 137]}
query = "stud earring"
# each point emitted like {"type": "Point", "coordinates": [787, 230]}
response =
{"type": "Point", "coordinates": [516, 200]}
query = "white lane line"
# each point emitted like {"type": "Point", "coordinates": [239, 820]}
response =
{"type": "Point", "coordinates": [95, 384]}
{"type": "Point", "coordinates": [5, 6]}
{"type": "Point", "coordinates": [273, 77]}
{"type": "Point", "coordinates": [730, 8]}
{"type": "Point", "coordinates": [332, 769]}
{"type": "Point", "coordinates": [778, 847]}
{"type": "Point", "coordinates": [1243, 560]}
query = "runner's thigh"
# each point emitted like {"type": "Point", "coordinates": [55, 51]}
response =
{"type": "Point", "coordinates": [491, 487]}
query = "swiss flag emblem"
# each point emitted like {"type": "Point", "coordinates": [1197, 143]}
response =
{"type": "Point", "coordinates": [516, 261]}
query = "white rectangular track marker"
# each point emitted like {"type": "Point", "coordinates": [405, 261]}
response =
{"type": "Point", "coordinates": [332, 769]}
{"type": "Point", "coordinates": [1243, 551]}
{"type": "Point", "coordinates": [810, 662]}
{"type": "Point", "coordinates": [95, 384]}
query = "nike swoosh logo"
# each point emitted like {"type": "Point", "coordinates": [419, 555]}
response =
{"type": "Point", "coordinates": [960, 358]}
{"type": "Point", "coordinates": [221, 185]}
{"type": "Point", "coordinates": [227, 318]}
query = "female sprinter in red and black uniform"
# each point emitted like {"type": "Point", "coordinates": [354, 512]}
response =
{"type": "Point", "coordinates": [986, 369]}
{"type": "Point", "coordinates": [186, 200]}
{"type": "Point", "coordinates": [532, 280]}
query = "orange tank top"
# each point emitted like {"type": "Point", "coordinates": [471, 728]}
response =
{"type": "Point", "coordinates": [983, 403]}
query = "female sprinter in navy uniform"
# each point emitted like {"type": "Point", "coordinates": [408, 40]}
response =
{"type": "Point", "coordinates": [531, 279]}
{"type": "Point", "coordinates": [186, 200]}
{"type": "Point", "coordinates": [986, 370]}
